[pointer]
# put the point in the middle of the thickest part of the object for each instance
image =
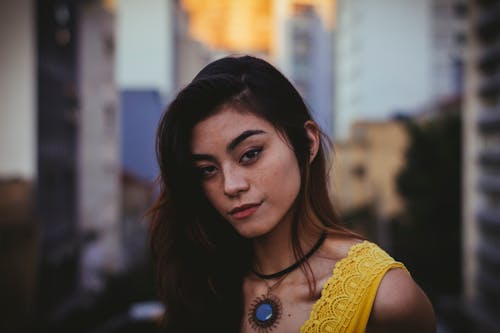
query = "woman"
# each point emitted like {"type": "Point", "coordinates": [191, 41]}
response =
{"type": "Point", "coordinates": [244, 236]}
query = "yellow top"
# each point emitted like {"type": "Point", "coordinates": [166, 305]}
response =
{"type": "Point", "coordinates": [347, 296]}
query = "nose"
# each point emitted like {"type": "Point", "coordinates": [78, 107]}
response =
{"type": "Point", "coordinates": [234, 183]}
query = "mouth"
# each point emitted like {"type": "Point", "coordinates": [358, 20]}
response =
{"type": "Point", "coordinates": [244, 211]}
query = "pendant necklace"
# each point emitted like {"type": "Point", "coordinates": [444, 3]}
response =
{"type": "Point", "coordinates": [266, 310]}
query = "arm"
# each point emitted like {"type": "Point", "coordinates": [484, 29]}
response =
{"type": "Point", "coordinates": [401, 306]}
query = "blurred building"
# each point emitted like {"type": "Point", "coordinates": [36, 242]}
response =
{"type": "Point", "coordinates": [146, 70]}
{"type": "Point", "coordinates": [303, 50]}
{"type": "Point", "coordinates": [481, 180]}
{"type": "Point", "coordinates": [19, 239]}
{"type": "Point", "coordinates": [395, 56]}
{"type": "Point", "coordinates": [233, 26]}
{"type": "Point", "coordinates": [191, 55]}
{"type": "Point", "coordinates": [140, 114]}
{"type": "Point", "coordinates": [448, 27]}
{"type": "Point", "coordinates": [365, 167]}
{"type": "Point", "coordinates": [145, 77]}
{"type": "Point", "coordinates": [145, 46]}
{"type": "Point", "coordinates": [295, 35]}
{"type": "Point", "coordinates": [98, 147]}
{"type": "Point", "coordinates": [59, 157]}
{"type": "Point", "coordinates": [78, 156]}
{"type": "Point", "coordinates": [137, 195]}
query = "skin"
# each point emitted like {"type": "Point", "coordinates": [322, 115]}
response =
{"type": "Point", "coordinates": [260, 170]}
{"type": "Point", "coordinates": [244, 160]}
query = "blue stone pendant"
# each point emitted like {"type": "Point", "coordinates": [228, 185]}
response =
{"type": "Point", "coordinates": [264, 313]}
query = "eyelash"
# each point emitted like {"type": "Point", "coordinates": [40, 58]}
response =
{"type": "Point", "coordinates": [254, 152]}
{"type": "Point", "coordinates": [247, 158]}
{"type": "Point", "coordinates": [204, 173]}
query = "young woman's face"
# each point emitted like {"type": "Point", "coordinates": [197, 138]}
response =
{"type": "Point", "coordinates": [249, 173]}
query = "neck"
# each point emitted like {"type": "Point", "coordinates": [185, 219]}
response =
{"type": "Point", "coordinates": [274, 251]}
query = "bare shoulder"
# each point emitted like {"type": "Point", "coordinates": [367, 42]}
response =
{"type": "Point", "coordinates": [337, 247]}
{"type": "Point", "coordinates": [401, 306]}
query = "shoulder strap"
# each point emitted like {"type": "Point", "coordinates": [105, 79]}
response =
{"type": "Point", "coordinates": [347, 297]}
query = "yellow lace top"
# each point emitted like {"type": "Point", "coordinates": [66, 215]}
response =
{"type": "Point", "coordinates": [347, 296]}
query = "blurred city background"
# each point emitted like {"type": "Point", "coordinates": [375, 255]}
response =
{"type": "Point", "coordinates": [408, 90]}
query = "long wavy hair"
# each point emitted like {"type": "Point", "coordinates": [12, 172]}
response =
{"type": "Point", "coordinates": [199, 258]}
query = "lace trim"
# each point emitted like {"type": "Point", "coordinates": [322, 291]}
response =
{"type": "Point", "coordinates": [343, 292]}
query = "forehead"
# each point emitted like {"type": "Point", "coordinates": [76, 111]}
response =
{"type": "Point", "coordinates": [224, 126]}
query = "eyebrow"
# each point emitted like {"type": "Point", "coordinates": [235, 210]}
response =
{"type": "Point", "coordinates": [242, 137]}
{"type": "Point", "coordinates": [231, 146]}
{"type": "Point", "coordinates": [203, 157]}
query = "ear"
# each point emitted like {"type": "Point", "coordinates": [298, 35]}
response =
{"type": "Point", "coordinates": [312, 132]}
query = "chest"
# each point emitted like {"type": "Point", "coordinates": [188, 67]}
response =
{"type": "Point", "coordinates": [283, 310]}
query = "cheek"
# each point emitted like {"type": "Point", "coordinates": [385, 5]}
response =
{"type": "Point", "coordinates": [284, 179]}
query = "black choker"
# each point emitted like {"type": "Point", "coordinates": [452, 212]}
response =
{"type": "Point", "coordinates": [295, 265]}
{"type": "Point", "coordinates": [266, 310]}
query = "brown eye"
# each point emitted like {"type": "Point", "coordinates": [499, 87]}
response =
{"type": "Point", "coordinates": [251, 155]}
{"type": "Point", "coordinates": [207, 171]}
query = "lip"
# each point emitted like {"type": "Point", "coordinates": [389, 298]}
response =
{"type": "Point", "coordinates": [244, 211]}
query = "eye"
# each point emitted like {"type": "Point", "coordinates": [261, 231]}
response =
{"type": "Point", "coordinates": [251, 155]}
{"type": "Point", "coordinates": [207, 171]}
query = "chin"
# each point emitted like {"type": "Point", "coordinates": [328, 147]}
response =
{"type": "Point", "coordinates": [252, 231]}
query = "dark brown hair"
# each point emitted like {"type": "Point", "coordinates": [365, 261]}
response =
{"type": "Point", "coordinates": [200, 260]}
